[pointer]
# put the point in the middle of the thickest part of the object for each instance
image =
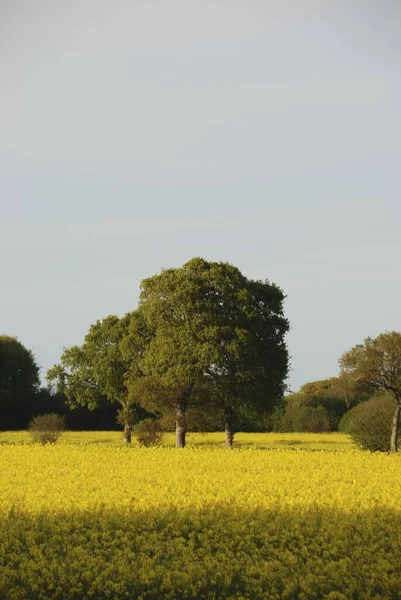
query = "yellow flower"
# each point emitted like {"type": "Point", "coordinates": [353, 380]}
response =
{"type": "Point", "coordinates": [82, 520]}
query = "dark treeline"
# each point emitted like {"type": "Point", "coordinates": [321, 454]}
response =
{"type": "Point", "coordinates": [22, 398]}
{"type": "Point", "coordinates": [19, 414]}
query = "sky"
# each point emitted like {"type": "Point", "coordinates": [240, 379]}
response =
{"type": "Point", "coordinates": [137, 135]}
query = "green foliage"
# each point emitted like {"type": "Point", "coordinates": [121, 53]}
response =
{"type": "Point", "coordinates": [216, 337]}
{"type": "Point", "coordinates": [344, 424]}
{"type": "Point", "coordinates": [148, 432]}
{"type": "Point", "coordinates": [199, 418]}
{"type": "Point", "coordinates": [369, 423]}
{"type": "Point", "coordinates": [97, 370]}
{"type": "Point", "coordinates": [204, 335]}
{"type": "Point", "coordinates": [375, 366]}
{"type": "Point", "coordinates": [19, 378]}
{"type": "Point", "coordinates": [127, 415]}
{"type": "Point", "coordinates": [333, 396]}
{"type": "Point", "coordinates": [46, 429]}
{"type": "Point", "coordinates": [319, 420]}
{"type": "Point", "coordinates": [297, 415]}
{"type": "Point", "coordinates": [317, 407]}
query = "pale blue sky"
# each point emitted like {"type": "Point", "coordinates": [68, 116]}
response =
{"type": "Point", "coordinates": [136, 135]}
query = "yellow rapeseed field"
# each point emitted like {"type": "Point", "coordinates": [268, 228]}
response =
{"type": "Point", "coordinates": [96, 520]}
{"type": "Point", "coordinates": [317, 441]}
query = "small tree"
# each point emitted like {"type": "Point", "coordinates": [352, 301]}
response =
{"type": "Point", "coordinates": [46, 429]}
{"type": "Point", "coordinates": [375, 366]}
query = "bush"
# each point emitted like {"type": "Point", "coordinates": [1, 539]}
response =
{"type": "Point", "coordinates": [298, 417]}
{"type": "Point", "coordinates": [148, 432]}
{"type": "Point", "coordinates": [46, 429]}
{"type": "Point", "coordinates": [369, 423]}
{"type": "Point", "coordinates": [318, 420]}
{"type": "Point", "coordinates": [344, 424]}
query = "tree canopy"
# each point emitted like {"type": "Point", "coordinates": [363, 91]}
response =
{"type": "Point", "coordinates": [215, 336]}
{"type": "Point", "coordinates": [375, 366]}
{"type": "Point", "coordinates": [19, 378]}
{"type": "Point", "coordinates": [203, 335]}
{"type": "Point", "coordinates": [97, 369]}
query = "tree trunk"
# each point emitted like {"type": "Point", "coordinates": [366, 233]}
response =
{"type": "Point", "coordinates": [394, 430]}
{"type": "Point", "coordinates": [229, 427]}
{"type": "Point", "coordinates": [180, 425]}
{"type": "Point", "coordinates": [180, 419]}
{"type": "Point", "coordinates": [127, 434]}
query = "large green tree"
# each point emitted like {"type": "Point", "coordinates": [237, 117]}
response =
{"type": "Point", "coordinates": [97, 369]}
{"type": "Point", "coordinates": [375, 366]}
{"type": "Point", "coordinates": [253, 359]}
{"type": "Point", "coordinates": [215, 337]}
{"type": "Point", "coordinates": [19, 378]}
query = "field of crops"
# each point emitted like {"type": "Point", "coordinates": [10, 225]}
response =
{"type": "Point", "coordinates": [87, 518]}
{"type": "Point", "coordinates": [265, 441]}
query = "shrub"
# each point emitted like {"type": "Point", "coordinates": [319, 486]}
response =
{"type": "Point", "coordinates": [148, 432]}
{"type": "Point", "coordinates": [46, 429]}
{"type": "Point", "coordinates": [298, 417]}
{"type": "Point", "coordinates": [369, 423]}
{"type": "Point", "coordinates": [318, 420]}
{"type": "Point", "coordinates": [344, 424]}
